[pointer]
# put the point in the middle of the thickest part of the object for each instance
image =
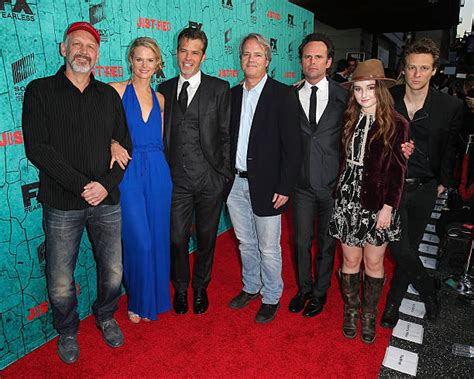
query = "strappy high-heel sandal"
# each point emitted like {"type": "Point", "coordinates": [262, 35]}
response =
{"type": "Point", "coordinates": [133, 317]}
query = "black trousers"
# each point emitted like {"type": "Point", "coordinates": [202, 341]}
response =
{"type": "Point", "coordinates": [313, 208]}
{"type": "Point", "coordinates": [204, 197]}
{"type": "Point", "coordinates": [416, 206]}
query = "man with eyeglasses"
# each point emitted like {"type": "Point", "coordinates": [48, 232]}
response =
{"type": "Point", "coordinates": [435, 120]}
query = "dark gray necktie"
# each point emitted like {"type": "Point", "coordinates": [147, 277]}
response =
{"type": "Point", "coordinates": [313, 106]}
{"type": "Point", "coordinates": [183, 97]}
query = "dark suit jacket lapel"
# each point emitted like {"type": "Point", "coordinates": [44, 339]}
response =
{"type": "Point", "coordinates": [204, 98]}
{"type": "Point", "coordinates": [237, 110]}
{"type": "Point", "coordinates": [328, 111]}
{"type": "Point", "coordinates": [264, 99]}
{"type": "Point", "coordinates": [304, 122]}
{"type": "Point", "coordinates": [170, 101]}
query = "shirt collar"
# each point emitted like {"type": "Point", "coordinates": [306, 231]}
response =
{"type": "Point", "coordinates": [322, 85]}
{"type": "Point", "coordinates": [259, 87]}
{"type": "Point", "coordinates": [64, 80]}
{"type": "Point", "coordinates": [193, 81]}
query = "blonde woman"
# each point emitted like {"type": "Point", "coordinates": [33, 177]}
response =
{"type": "Point", "coordinates": [145, 189]}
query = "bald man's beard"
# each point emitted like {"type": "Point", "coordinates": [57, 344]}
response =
{"type": "Point", "coordinates": [80, 67]}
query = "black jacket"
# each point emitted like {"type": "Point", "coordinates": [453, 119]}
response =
{"type": "Point", "coordinates": [274, 149]}
{"type": "Point", "coordinates": [214, 114]}
{"type": "Point", "coordinates": [444, 115]}
{"type": "Point", "coordinates": [321, 147]}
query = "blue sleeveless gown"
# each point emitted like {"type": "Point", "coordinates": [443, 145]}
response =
{"type": "Point", "coordinates": [146, 201]}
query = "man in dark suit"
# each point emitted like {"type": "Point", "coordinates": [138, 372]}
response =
{"type": "Point", "coordinates": [265, 152]}
{"type": "Point", "coordinates": [435, 121]}
{"type": "Point", "coordinates": [321, 108]}
{"type": "Point", "coordinates": [196, 140]}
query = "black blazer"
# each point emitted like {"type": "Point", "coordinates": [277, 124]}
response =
{"type": "Point", "coordinates": [214, 115]}
{"type": "Point", "coordinates": [444, 115]}
{"type": "Point", "coordinates": [321, 147]}
{"type": "Point", "coordinates": [274, 149]}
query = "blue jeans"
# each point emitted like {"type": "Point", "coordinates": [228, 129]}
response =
{"type": "Point", "coordinates": [63, 230]}
{"type": "Point", "coordinates": [259, 244]}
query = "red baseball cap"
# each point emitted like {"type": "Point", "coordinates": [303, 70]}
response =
{"type": "Point", "coordinates": [82, 25]}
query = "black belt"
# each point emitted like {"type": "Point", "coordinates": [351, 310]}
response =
{"type": "Point", "coordinates": [241, 174]}
{"type": "Point", "coordinates": [418, 181]}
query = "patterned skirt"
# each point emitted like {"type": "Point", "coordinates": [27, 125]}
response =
{"type": "Point", "coordinates": [351, 223]}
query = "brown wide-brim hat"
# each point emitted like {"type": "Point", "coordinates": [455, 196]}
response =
{"type": "Point", "coordinates": [371, 69]}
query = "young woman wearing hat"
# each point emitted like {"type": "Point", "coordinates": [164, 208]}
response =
{"type": "Point", "coordinates": [365, 216]}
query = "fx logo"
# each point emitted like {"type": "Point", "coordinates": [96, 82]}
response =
{"type": "Point", "coordinates": [273, 44]}
{"type": "Point", "coordinates": [29, 191]}
{"type": "Point", "coordinates": [291, 20]}
{"type": "Point", "coordinates": [195, 25]}
{"type": "Point", "coordinates": [20, 5]}
{"type": "Point", "coordinates": [227, 4]}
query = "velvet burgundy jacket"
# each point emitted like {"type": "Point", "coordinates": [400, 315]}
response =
{"type": "Point", "coordinates": [383, 176]}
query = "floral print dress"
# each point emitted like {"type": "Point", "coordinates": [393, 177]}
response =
{"type": "Point", "coordinates": [350, 222]}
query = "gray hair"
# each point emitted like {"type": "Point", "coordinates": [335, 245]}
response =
{"type": "Point", "coordinates": [262, 41]}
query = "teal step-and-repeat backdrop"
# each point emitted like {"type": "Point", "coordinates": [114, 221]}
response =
{"type": "Point", "coordinates": [31, 31]}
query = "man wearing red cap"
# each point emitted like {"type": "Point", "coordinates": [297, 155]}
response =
{"type": "Point", "coordinates": [69, 120]}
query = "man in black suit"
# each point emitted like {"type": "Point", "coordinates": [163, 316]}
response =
{"type": "Point", "coordinates": [265, 152]}
{"type": "Point", "coordinates": [435, 121]}
{"type": "Point", "coordinates": [322, 104]}
{"type": "Point", "coordinates": [196, 140]}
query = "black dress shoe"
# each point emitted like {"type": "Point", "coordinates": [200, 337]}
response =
{"type": "Point", "coordinates": [180, 302]}
{"type": "Point", "coordinates": [315, 306]}
{"type": "Point", "coordinates": [390, 316]}
{"type": "Point", "coordinates": [432, 307]}
{"type": "Point", "coordinates": [200, 301]}
{"type": "Point", "coordinates": [68, 349]}
{"type": "Point", "coordinates": [242, 299]}
{"type": "Point", "coordinates": [267, 313]}
{"type": "Point", "coordinates": [298, 302]}
{"type": "Point", "coordinates": [111, 333]}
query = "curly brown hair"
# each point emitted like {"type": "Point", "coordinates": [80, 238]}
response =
{"type": "Point", "coordinates": [384, 117]}
{"type": "Point", "coordinates": [422, 46]}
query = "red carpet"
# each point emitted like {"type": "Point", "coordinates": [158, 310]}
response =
{"type": "Point", "coordinates": [222, 343]}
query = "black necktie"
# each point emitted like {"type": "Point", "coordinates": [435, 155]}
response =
{"type": "Point", "coordinates": [183, 97]}
{"type": "Point", "coordinates": [312, 106]}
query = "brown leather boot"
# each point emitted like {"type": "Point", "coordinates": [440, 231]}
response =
{"type": "Point", "coordinates": [372, 291]}
{"type": "Point", "coordinates": [350, 287]}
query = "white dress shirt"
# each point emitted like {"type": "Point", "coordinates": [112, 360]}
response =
{"type": "Point", "coordinates": [322, 97]}
{"type": "Point", "coordinates": [194, 82]}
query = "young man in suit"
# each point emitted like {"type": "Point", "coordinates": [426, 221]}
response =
{"type": "Point", "coordinates": [265, 152]}
{"type": "Point", "coordinates": [196, 141]}
{"type": "Point", "coordinates": [435, 121]}
{"type": "Point", "coordinates": [321, 107]}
